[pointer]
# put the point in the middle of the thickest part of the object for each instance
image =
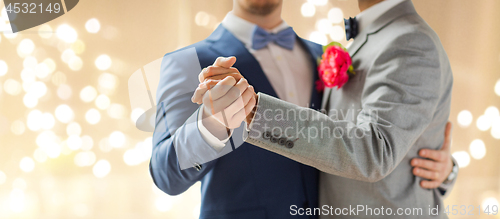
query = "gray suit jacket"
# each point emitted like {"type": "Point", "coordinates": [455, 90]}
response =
{"type": "Point", "coordinates": [397, 103]}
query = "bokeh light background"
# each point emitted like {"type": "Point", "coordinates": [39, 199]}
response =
{"type": "Point", "coordinates": [68, 144]}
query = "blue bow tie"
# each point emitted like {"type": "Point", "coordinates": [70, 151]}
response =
{"type": "Point", "coordinates": [284, 38]}
{"type": "Point", "coordinates": [351, 28]}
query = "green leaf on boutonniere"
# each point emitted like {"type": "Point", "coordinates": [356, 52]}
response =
{"type": "Point", "coordinates": [334, 44]}
{"type": "Point", "coordinates": [318, 60]}
{"type": "Point", "coordinates": [351, 70]}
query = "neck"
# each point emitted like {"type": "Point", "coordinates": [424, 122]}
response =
{"type": "Point", "coordinates": [365, 4]}
{"type": "Point", "coordinates": [267, 22]}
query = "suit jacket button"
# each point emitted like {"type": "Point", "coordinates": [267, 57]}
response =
{"type": "Point", "coordinates": [266, 135]}
{"type": "Point", "coordinates": [197, 166]}
{"type": "Point", "coordinates": [289, 144]}
{"type": "Point", "coordinates": [282, 141]}
{"type": "Point", "coordinates": [273, 139]}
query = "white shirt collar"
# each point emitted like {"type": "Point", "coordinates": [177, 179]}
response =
{"type": "Point", "coordinates": [243, 29]}
{"type": "Point", "coordinates": [371, 14]}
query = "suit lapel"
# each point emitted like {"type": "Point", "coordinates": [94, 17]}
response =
{"type": "Point", "coordinates": [315, 51]}
{"type": "Point", "coordinates": [225, 44]}
{"type": "Point", "coordinates": [402, 9]}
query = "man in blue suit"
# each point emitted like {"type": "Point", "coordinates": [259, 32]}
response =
{"type": "Point", "coordinates": [249, 182]}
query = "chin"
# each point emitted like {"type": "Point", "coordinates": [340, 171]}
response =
{"type": "Point", "coordinates": [260, 7]}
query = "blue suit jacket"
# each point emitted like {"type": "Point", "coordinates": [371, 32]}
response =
{"type": "Point", "coordinates": [249, 182]}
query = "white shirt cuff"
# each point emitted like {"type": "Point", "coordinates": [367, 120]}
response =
{"type": "Point", "coordinates": [213, 141]}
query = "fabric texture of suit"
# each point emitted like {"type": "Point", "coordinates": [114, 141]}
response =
{"type": "Point", "coordinates": [397, 103]}
{"type": "Point", "coordinates": [248, 181]}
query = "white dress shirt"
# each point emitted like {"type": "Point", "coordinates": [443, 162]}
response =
{"type": "Point", "coordinates": [288, 71]}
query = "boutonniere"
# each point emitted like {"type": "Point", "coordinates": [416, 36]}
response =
{"type": "Point", "coordinates": [334, 66]}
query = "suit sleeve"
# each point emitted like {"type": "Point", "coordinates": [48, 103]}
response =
{"type": "Point", "coordinates": [399, 99]}
{"type": "Point", "coordinates": [181, 156]}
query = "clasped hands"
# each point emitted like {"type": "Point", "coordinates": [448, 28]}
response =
{"type": "Point", "coordinates": [226, 96]}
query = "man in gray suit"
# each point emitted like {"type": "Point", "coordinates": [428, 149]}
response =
{"type": "Point", "coordinates": [397, 104]}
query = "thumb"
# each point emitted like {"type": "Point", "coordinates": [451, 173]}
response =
{"type": "Point", "coordinates": [447, 136]}
{"type": "Point", "coordinates": [225, 62]}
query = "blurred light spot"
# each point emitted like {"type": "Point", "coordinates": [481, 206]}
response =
{"type": "Point", "coordinates": [45, 31]}
{"type": "Point", "coordinates": [58, 78]}
{"type": "Point", "coordinates": [27, 164]}
{"type": "Point", "coordinates": [53, 150]}
{"type": "Point", "coordinates": [308, 9]}
{"type": "Point", "coordinates": [45, 139]}
{"type": "Point", "coordinates": [495, 128]}
{"type": "Point", "coordinates": [318, 37]}
{"type": "Point", "coordinates": [93, 25]}
{"type": "Point", "coordinates": [88, 143]}
{"type": "Point", "coordinates": [8, 34]}
{"type": "Point", "coordinates": [38, 89]}
{"type": "Point", "coordinates": [78, 47]}
{"type": "Point", "coordinates": [103, 62]}
{"type": "Point", "coordinates": [483, 123]}
{"type": "Point", "coordinates": [67, 55]}
{"type": "Point", "coordinates": [335, 15]}
{"type": "Point", "coordinates": [19, 183]}
{"type": "Point", "coordinates": [490, 204]}
{"type": "Point", "coordinates": [64, 113]}
{"type": "Point", "coordinates": [102, 102]}
{"type": "Point", "coordinates": [85, 159]}
{"type": "Point", "coordinates": [462, 157]}
{"type": "Point", "coordinates": [12, 87]}
{"type": "Point", "coordinates": [74, 142]}
{"type": "Point", "coordinates": [42, 70]}
{"type": "Point", "coordinates": [93, 116]}
{"type": "Point", "coordinates": [497, 88]}
{"type": "Point", "coordinates": [3, 177]}
{"type": "Point", "coordinates": [464, 118]}
{"type": "Point", "coordinates": [88, 94]}
{"type": "Point", "coordinates": [477, 149]}
{"type": "Point", "coordinates": [202, 19]}
{"type": "Point", "coordinates": [64, 91]}
{"type": "Point", "coordinates": [30, 100]}
{"type": "Point", "coordinates": [101, 168]}
{"type": "Point", "coordinates": [3, 68]}
{"type": "Point", "coordinates": [117, 139]}
{"type": "Point", "coordinates": [47, 121]}
{"type": "Point", "coordinates": [66, 33]}
{"type": "Point", "coordinates": [34, 120]}
{"type": "Point", "coordinates": [491, 112]}
{"type": "Point", "coordinates": [116, 111]}
{"type": "Point", "coordinates": [25, 48]}
{"type": "Point", "coordinates": [337, 33]}
{"type": "Point", "coordinates": [16, 202]}
{"type": "Point", "coordinates": [50, 64]}
{"type": "Point", "coordinates": [28, 75]}
{"type": "Point", "coordinates": [30, 62]}
{"type": "Point", "coordinates": [17, 127]}
{"type": "Point", "coordinates": [107, 81]}
{"type": "Point", "coordinates": [140, 153]}
{"type": "Point", "coordinates": [136, 113]}
{"type": "Point", "coordinates": [40, 155]}
{"type": "Point", "coordinates": [73, 129]}
{"type": "Point", "coordinates": [164, 203]}
{"type": "Point", "coordinates": [75, 63]}
{"type": "Point", "coordinates": [323, 26]}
